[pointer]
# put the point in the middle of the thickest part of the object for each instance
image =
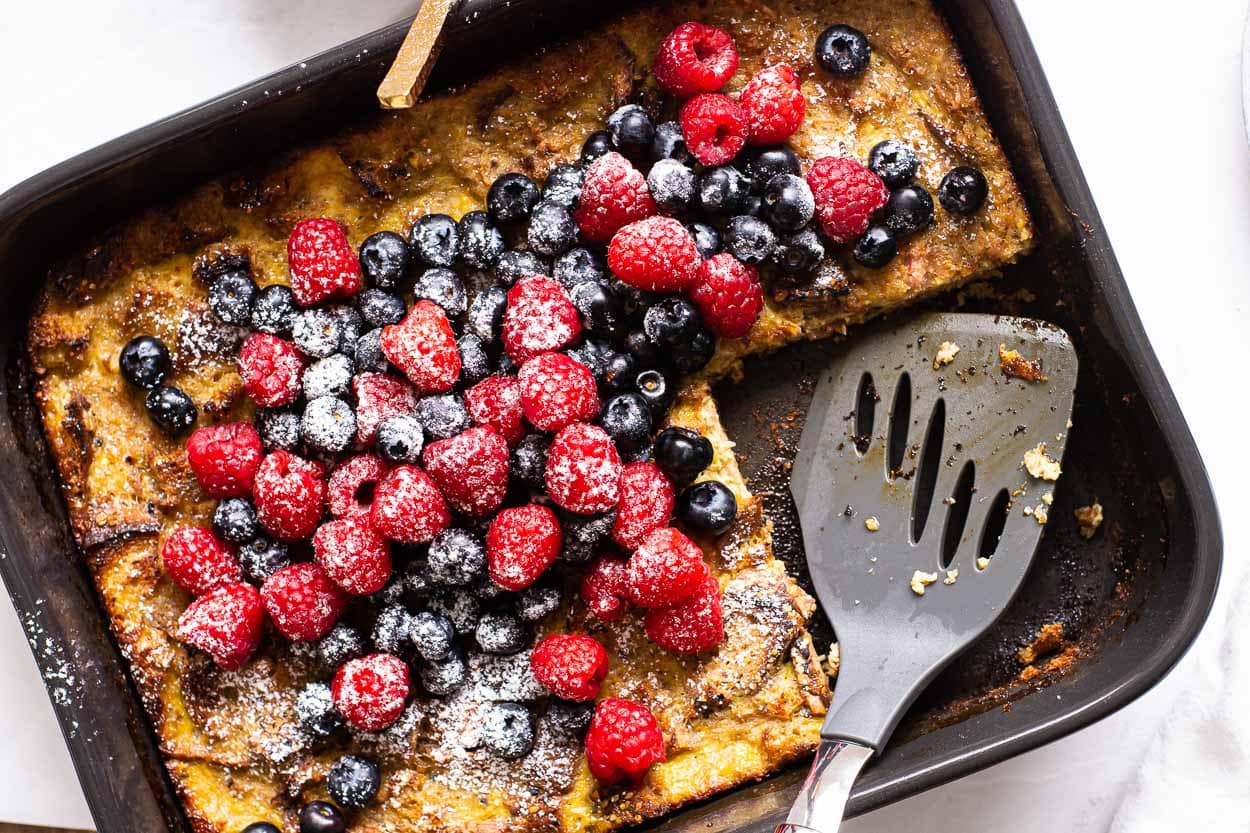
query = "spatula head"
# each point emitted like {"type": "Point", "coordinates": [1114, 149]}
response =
{"type": "Point", "coordinates": [911, 476]}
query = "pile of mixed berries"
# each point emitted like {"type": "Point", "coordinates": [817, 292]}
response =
{"type": "Point", "coordinates": [444, 416]}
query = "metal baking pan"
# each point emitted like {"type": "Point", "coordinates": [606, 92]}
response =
{"type": "Point", "coordinates": [1131, 600]}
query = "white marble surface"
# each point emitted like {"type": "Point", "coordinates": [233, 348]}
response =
{"type": "Point", "coordinates": [1152, 101]}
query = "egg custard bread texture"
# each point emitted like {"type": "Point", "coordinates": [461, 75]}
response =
{"type": "Point", "coordinates": [231, 739]}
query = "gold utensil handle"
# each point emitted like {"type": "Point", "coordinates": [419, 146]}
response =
{"type": "Point", "coordinates": [417, 54]}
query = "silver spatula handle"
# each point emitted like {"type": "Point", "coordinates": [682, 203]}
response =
{"type": "Point", "coordinates": [822, 800]}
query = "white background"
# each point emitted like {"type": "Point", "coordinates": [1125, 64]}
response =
{"type": "Point", "coordinates": [1150, 93]}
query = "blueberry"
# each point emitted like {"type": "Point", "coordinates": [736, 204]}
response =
{"type": "Point", "coordinates": [673, 186]}
{"type": "Point", "coordinates": [671, 322]}
{"type": "Point", "coordinates": [909, 210]}
{"type": "Point", "coordinates": [564, 186]}
{"type": "Point", "coordinates": [230, 297]}
{"type": "Point", "coordinates": [320, 817]}
{"type": "Point", "coordinates": [634, 301]}
{"type": "Point", "coordinates": [876, 248]}
{"type": "Point", "coordinates": [798, 253]}
{"type": "Point", "coordinates": [314, 708]}
{"type": "Point", "coordinates": [537, 602]}
{"type": "Point", "coordinates": [842, 51]}
{"type": "Point", "coordinates": [392, 594]}
{"type": "Point", "coordinates": [456, 558]}
{"type": "Point", "coordinates": [262, 557]}
{"type": "Point", "coordinates": [584, 534]}
{"type": "Point", "coordinates": [379, 307]}
{"type": "Point", "coordinates": [342, 644]}
{"type": "Point", "coordinates": [274, 310]}
{"type": "Point", "coordinates": [460, 606]}
{"type": "Point", "coordinates": [434, 241]}
{"type": "Point", "coordinates": [442, 677]}
{"type": "Point", "coordinates": [763, 163]}
{"type": "Point", "coordinates": [391, 629]}
{"type": "Point", "coordinates": [443, 287]}
{"type": "Point", "coordinates": [511, 198]}
{"type": "Point", "coordinates": [384, 259]}
{"type": "Point", "coordinates": [551, 230]}
{"type": "Point", "coordinates": [750, 239]}
{"type": "Point", "coordinates": [144, 361]}
{"type": "Point", "coordinates": [596, 145]}
{"type": "Point", "coordinates": [788, 202]}
{"type": "Point", "coordinates": [694, 354]}
{"type": "Point", "coordinates": [640, 347]}
{"type": "Point", "coordinates": [400, 438]}
{"type": "Point", "coordinates": [894, 161]}
{"type": "Point", "coordinates": [507, 731]}
{"type": "Point", "coordinates": [682, 454]}
{"type": "Point", "coordinates": [723, 191]}
{"type": "Point", "coordinates": [627, 419]}
{"type": "Point", "coordinates": [654, 386]}
{"type": "Point", "coordinates": [368, 352]}
{"type": "Point", "coordinates": [329, 424]}
{"type": "Point", "coordinates": [515, 264]}
{"type": "Point", "coordinates": [353, 782]}
{"type": "Point", "coordinates": [331, 376]}
{"type": "Point", "coordinates": [351, 325]}
{"type": "Point", "coordinates": [577, 265]}
{"type": "Point", "coordinates": [752, 206]}
{"type": "Point", "coordinates": [432, 635]}
{"type": "Point", "coordinates": [963, 190]}
{"type": "Point", "coordinates": [442, 415]}
{"type": "Point", "coordinates": [569, 720]}
{"type": "Point", "coordinates": [529, 460]}
{"type": "Point", "coordinates": [234, 520]}
{"type": "Point", "coordinates": [707, 240]}
{"type": "Point", "coordinates": [486, 314]}
{"type": "Point", "coordinates": [670, 143]}
{"type": "Point", "coordinates": [594, 354]}
{"type": "Point", "coordinates": [317, 333]}
{"type": "Point", "coordinates": [632, 130]}
{"type": "Point", "coordinates": [707, 507]}
{"type": "Point", "coordinates": [599, 309]}
{"type": "Point", "coordinates": [620, 372]}
{"type": "Point", "coordinates": [481, 242]}
{"type": "Point", "coordinates": [261, 827]}
{"type": "Point", "coordinates": [500, 633]}
{"type": "Point", "coordinates": [171, 409]}
{"type": "Point", "coordinates": [474, 360]}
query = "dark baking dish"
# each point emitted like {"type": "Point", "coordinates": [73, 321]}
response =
{"type": "Point", "coordinates": [1131, 601]}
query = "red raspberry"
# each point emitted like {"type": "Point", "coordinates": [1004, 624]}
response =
{"type": "Point", "coordinates": [423, 346]}
{"type": "Point", "coordinates": [557, 391]}
{"type": "Point", "coordinates": [728, 295]}
{"type": "Point", "coordinates": [471, 469]}
{"type": "Point", "coordinates": [352, 484]}
{"type": "Point", "coordinates": [539, 318]}
{"type": "Point", "coordinates": [645, 505]}
{"type": "Point", "coordinates": [271, 370]}
{"type": "Point", "coordinates": [370, 691]}
{"type": "Point", "coordinates": [571, 666]}
{"type": "Point", "coordinates": [226, 624]}
{"type": "Point", "coordinates": [496, 401]}
{"type": "Point", "coordinates": [691, 626]}
{"type": "Point", "coordinates": [695, 58]}
{"type": "Point", "coordinates": [605, 588]}
{"type": "Point", "coordinates": [715, 128]}
{"type": "Point", "coordinates": [289, 494]}
{"type": "Point", "coordinates": [666, 568]}
{"type": "Point", "coordinates": [521, 543]}
{"type": "Point", "coordinates": [353, 555]}
{"type": "Point", "coordinates": [322, 263]}
{"type": "Point", "coordinates": [847, 195]}
{"type": "Point", "coordinates": [198, 561]}
{"type": "Point", "coordinates": [583, 469]}
{"type": "Point", "coordinates": [302, 601]}
{"type": "Point", "coordinates": [623, 741]}
{"type": "Point", "coordinates": [774, 105]}
{"type": "Point", "coordinates": [379, 396]}
{"type": "Point", "coordinates": [656, 254]}
{"type": "Point", "coordinates": [225, 458]}
{"type": "Point", "coordinates": [614, 194]}
{"type": "Point", "coordinates": [408, 507]}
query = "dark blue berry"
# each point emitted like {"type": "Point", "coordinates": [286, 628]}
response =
{"type": "Point", "coordinates": [474, 360]}
{"type": "Point", "coordinates": [515, 264]}
{"type": "Point", "coordinates": [750, 239]}
{"type": "Point", "coordinates": [274, 310]}
{"type": "Point", "coordinates": [314, 708]}
{"type": "Point", "coordinates": [434, 240]}
{"type": "Point", "coordinates": [460, 606]}
{"type": "Point", "coordinates": [329, 424]}
{"type": "Point", "coordinates": [400, 438]}
{"type": "Point", "coordinates": [261, 557]}
{"type": "Point", "coordinates": [584, 534]}
{"type": "Point", "coordinates": [670, 323]}
{"type": "Point", "coordinates": [596, 145]}
{"type": "Point", "coordinates": [682, 454]}
{"type": "Point", "coordinates": [331, 376]}
{"type": "Point", "coordinates": [798, 253]}
{"type": "Point", "coordinates": [261, 827]}
{"type": "Point", "coordinates": [708, 507]}
{"type": "Point", "coordinates": [594, 354]}
{"type": "Point", "coordinates": [391, 629]}
{"type": "Point", "coordinates": [577, 265]}
{"type": "Point", "coordinates": [529, 460]}
{"type": "Point", "coordinates": [723, 191]}
{"type": "Point", "coordinates": [317, 333]}
{"type": "Point", "coordinates": [894, 161]}
{"type": "Point", "coordinates": [511, 198]}
{"type": "Point", "coordinates": [351, 325]}
{"type": "Point", "coordinates": [321, 817]}
{"type": "Point", "coordinates": [442, 415]}
{"type": "Point", "coordinates": [144, 361]}
{"type": "Point", "coordinates": [537, 602]}
{"type": "Point", "coordinates": [673, 186]}
{"type": "Point", "coordinates": [279, 430]}
{"type": "Point", "coordinates": [551, 230]}
{"type": "Point", "coordinates": [569, 720]}
{"type": "Point", "coordinates": [694, 354]}
{"type": "Point", "coordinates": [368, 352]}
{"type": "Point", "coordinates": [456, 558]}
{"type": "Point", "coordinates": [234, 519]}
{"type": "Point", "coordinates": [963, 190]}
{"type": "Point", "coordinates": [634, 301]}
{"type": "Point", "coordinates": [599, 309]}
{"type": "Point", "coordinates": [640, 347]}
{"type": "Point", "coordinates": [485, 318]}
{"type": "Point", "coordinates": [564, 186]}
{"type": "Point", "coordinates": [353, 782]}
{"type": "Point", "coordinates": [230, 297]}
{"type": "Point", "coordinates": [432, 635]}
{"type": "Point", "coordinates": [707, 240]}
{"type": "Point", "coordinates": [342, 644]}
{"type": "Point", "coordinates": [442, 677]}
{"type": "Point", "coordinates": [632, 130]}
{"type": "Point", "coordinates": [481, 242]}
{"type": "Point", "coordinates": [507, 731]}
{"type": "Point", "coordinates": [842, 51]}
{"type": "Point", "coordinates": [620, 372]}
{"type": "Point", "coordinates": [384, 259]}
{"type": "Point", "coordinates": [670, 143]}
{"type": "Point", "coordinates": [171, 409]}
{"type": "Point", "coordinates": [379, 307]}
{"type": "Point", "coordinates": [653, 386]}
{"type": "Point", "coordinates": [909, 210]}
{"type": "Point", "coordinates": [876, 248]}
{"type": "Point", "coordinates": [443, 287]}
{"type": "Point", "coordinates": [627, 419]}
{"type": "Point", "coordinates": [500, 633]}
{"type": "Point", "coordinates": [763, 163]}
{"type": "Point", "coordinates": [788, 202]}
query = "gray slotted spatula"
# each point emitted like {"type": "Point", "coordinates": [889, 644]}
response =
{"type": "Point", "coordinates": [909, 464]}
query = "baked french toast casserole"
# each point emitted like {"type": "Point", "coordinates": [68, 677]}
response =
{"type": "Point", "coordinates": [443, 533]}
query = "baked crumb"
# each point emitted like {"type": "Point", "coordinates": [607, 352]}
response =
{"type": "Point", "coordinates": [1040, 514]}
{"type": "Point", "coordinates": [872, 524]}
{"type": "Point", "coordinates": [1048, 639]}
{"type": "Point", "coordinates": [1040, 465]}
{"type": "Point", "coordinates": [946, 353]}
{"type": "Point", "coordinates": [1088, 519]}
{"type": "Point", "coordinates": [982, 562]}
{"type": "Point", "coordinates": [833, 661]}
{"type": "Point", "coordinates": [920, 580]}
{"type": "Point", "coordinates": [952, 576]}
{"type": "Point", "coordinates": [1015, 365]}
{"type": "Point", "coordinates": [1048, 498]}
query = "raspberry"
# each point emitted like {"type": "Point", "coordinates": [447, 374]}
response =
{"type": "Point", "coordinates": [520, 544]}
{"type": "Point", "coordinates": [496, 401]}
{"type": "Point", "coordinates": [353, 555]}
{"type": "Point", "coordinates": [847, 195]}
{"type": "Point", "coordinates": [302, 601]}
{"type": "Point", "coordinates": [322, 263]}
{"type": "Point", "coordinates": [225, 458]}
{"type": "Point", "coordinates": [666, 568]}
{"type": "Point", "coordinates": [540, 317]}
{"type": "Point", "coordinates": [656, 254]}
{"type": "Point", "coordinates": [728, 295]}
{"type": "Point", "coordinates": [198, 561]}
{"type": "Point", "coordinates": [379, 396]}
{"type": "Point", "coordinates": [557, 391]}
{"type": "Point", "coordinates": [352, 484]}
{"type": "Point", "coordinates": [226, 624]}
{"type": "Point", "coordinates": [583, 470]}
{"type": "Point", "coordinates": [289, 495]}
{"type": "Point", "coordinates": [623, 741]}
{"type": "Point", "coordinates": [423, 346]}
{"type": "Point", "coordinates": [571, 666]}
{"type": "Point", "coordinates": [645, 505]}
{"type": "Point", "coordinates": [370, 691]}
{"type": "Point", "coordinates": [605, 587]}
{"type": "Point", "coordinates": [408, 507]}
{"type": "Point", "coordinates": [471, 470]}
{"type": "Point", "coordinates": [695, 58]}
{"type": "Point", "coordinates": [774, 105]}
{"type": "Point", "coordinates": [715, 128]}
{"type": "Point", "coordinates": [271, 370]}
{"type": "Point", "coordinates": [614, 194]}
{"type": "Point", "coordinates": [691, 626]}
